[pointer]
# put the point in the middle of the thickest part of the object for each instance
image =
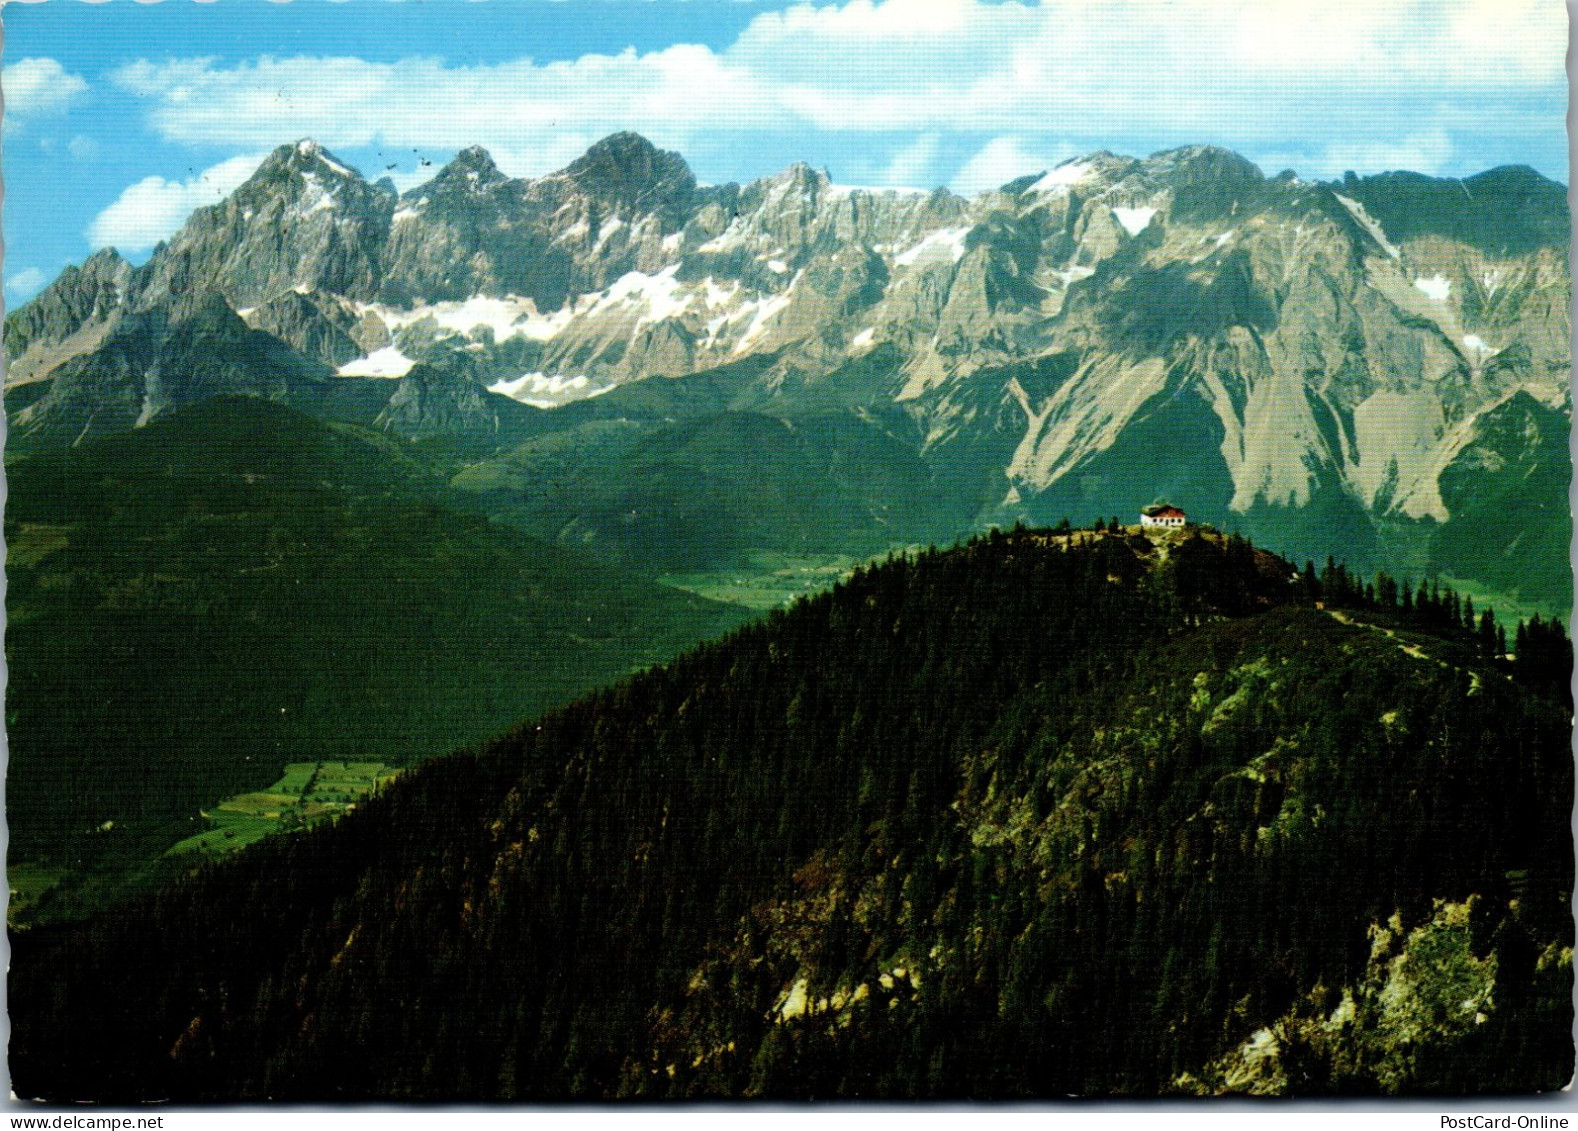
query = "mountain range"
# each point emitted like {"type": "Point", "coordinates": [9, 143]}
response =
{"type": "Point", "coordinates": [347, 477]}
{"type": "Point", "coordinates": [620, 357]}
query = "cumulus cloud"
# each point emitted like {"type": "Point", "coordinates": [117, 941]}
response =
{"type": "Point", "coordinates": [153, 208]}
{"type": "Point", "coordinates": [39, 86]}
{"type": "Point", "coordinates": [1000, 161]}
{"type": "Point", "coordinates": [911, 166]}
{"type": "Point", "coordinates": [1243, 72]}
{"type": "Point", "coordinates": [25, 283]}
{"type": "Point", "coordinates": [520, 108]}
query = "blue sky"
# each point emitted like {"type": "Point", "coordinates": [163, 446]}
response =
{"type": "Point", "coordinates": [121, 117]}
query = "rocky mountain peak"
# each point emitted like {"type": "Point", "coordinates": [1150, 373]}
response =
{"type": "Point", "coordinates": [1284, 343]}
{"type": "Point", "coordinates": [1192, 165]}
{"type": "Point", "coordinates": [1509, 210]}
{"type": "Point", "coordinates": [105, 261]}
{"type": "Point", "coordinates": [472, 167]}
{"type": "Point", "coordinates": [1088, 174]}
{"type": "Point", "coordinates": [304, 156]}
{"type": "Point", "coordinates": [302, 172]}
{"type": "Point", "coordinates": [803, 176]}
{"type": "Point", "coordinates": [627, 171]}
{"type": "Point", "coordinates": [77, 297]}
{"type": "Point", "coordinates": [1203, 179]}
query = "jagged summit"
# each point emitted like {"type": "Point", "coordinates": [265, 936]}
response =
{"type": "Point", "coordinates": [471, 170]}
{"type": "Point", "coordinates": [474, 159]}
{"type": "Point", "coordinates": [627, 170]}
{"type": "Point", "coordinates": [1141, 324]}
{"type": "Point", "coordinates": [1193, 165]}
{"type": "Point", "coordinates": [305, 156]}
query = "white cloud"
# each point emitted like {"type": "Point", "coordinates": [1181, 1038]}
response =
{"type": "Point", "coordinates": [1245, 72]}
{"type": "Point", "coordinates": [911, 166]}
{"type": "Point", "coordinates": [25, 283]}
{"type": "Point", "coordinates": [83, 147]}
{"type": "Point", "coordinates": [39, 86]}
{"type": "Point", "coordinates": [154, 208]}
{"type": "Point", "coordinates": [999, 161]}
{"type": "Point", "coordinates": [537, 114]}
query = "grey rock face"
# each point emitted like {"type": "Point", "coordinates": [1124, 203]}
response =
{"type": "Point", "coordinates": [1263, 346]}
{"type": "Point", "coordinates": [303, 221]}
{"type": "Point", "coordinates": [67, 318]}
{"type": "Point", "coordinates": [162, 358]}
{"type": "Point", "coordinates": [319, 329]}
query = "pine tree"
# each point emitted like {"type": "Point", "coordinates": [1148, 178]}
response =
{"type": "Point", "coordinates": [1487, 635]}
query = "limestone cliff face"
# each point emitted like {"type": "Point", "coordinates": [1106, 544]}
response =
{"type": "Point", "coordinates": [321, 328]}
{"type": "Point", "coordinates": [158, 359]}
{"type": "Point", "coordinates": [1429, 989]}
{"type": "Point", "coordinates": [303, 221]}
{"type": "Point", "coordinates": [1082, 338]}
{"type": "Point", "coordinates": [69, 317]}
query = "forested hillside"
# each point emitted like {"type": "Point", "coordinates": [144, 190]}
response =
{"type": "Point", "coordinates": [232, 588]}
{"type": "Point", "coordinates": [1051, 813]}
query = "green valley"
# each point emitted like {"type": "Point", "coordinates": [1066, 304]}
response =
{"type": "Point", "coordinates": [195, 604]}
{"type": "Point", "coordinates": [308, 792]}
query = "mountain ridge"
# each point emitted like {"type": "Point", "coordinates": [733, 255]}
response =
{"type": "Point", "coordinates": [1298, 349]}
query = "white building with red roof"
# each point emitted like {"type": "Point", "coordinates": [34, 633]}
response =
{"type": "Point", "coordinates": [1164, 515]}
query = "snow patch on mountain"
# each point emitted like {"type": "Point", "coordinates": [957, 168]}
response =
{"type": "Point", "coordinates": [765, 310]}
{"type": "Point", "coordinates": [311, 149]}
{"type": "Point", "coordinates": [1369, 224]}
{"type": "Point", "coordinates": [945, 244]}
{"type": "Point", "coordinates": [315, 197]}
{"type": "Point", "coordinates": [842, 192]}
{"type": "Point", "coordinates": [1065, 175]}
{"type": "Point", "coordinates": [508, 317]}
{"type": "Point", "coordinates": [657, 297]}
{"type": "Point", "coordinates": [543, 390]}
{"type": "Point", "coordinates": [1437, 287]}
{"type": "Point", "coordinates": [388, 362]}
{"type": "Point", "coordinates": [606, 232]}
{"type": "Point", "coordinates": [1134, 220]}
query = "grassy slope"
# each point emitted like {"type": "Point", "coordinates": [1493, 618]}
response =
{"type": "Point", "coordinates": [703, 492]}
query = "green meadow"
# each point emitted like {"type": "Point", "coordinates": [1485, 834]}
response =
{"type": "Point", "coordinates": [307, 792]}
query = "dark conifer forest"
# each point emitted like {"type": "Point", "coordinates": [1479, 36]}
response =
{"type": "Point", "coordinates": [1050, 813]}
